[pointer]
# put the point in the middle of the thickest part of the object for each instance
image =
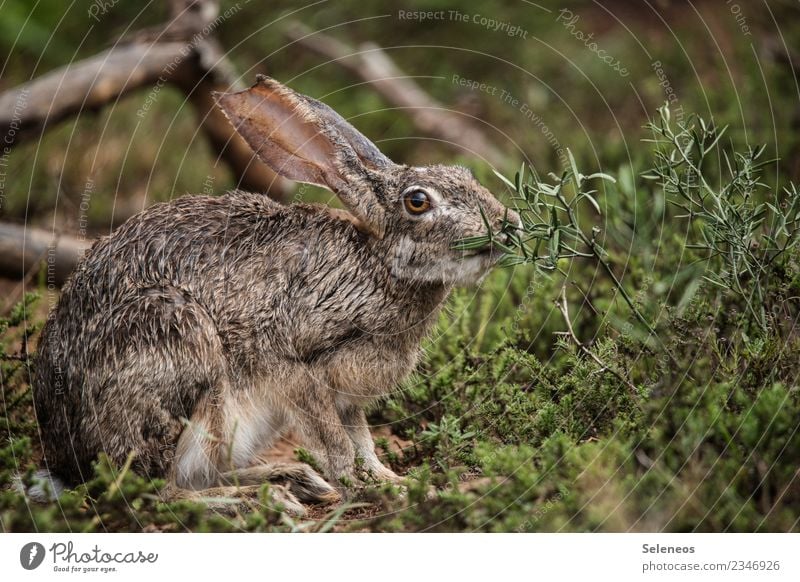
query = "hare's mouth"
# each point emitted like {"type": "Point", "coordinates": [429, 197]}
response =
{"type": "Point", "coordinates": [487, 248]}
{"type": "Point", "coordinates": [481, 252]}
{"type": "Point", "coordinates": [488, 253]}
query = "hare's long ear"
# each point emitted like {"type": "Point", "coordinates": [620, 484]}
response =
{"type": "Point", "coordinates": [307, 141]}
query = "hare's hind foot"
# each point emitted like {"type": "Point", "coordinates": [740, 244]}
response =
{"type": "Point", "coordinates": [300, 479]}
{"type": "Point", "coordinates": [291, 485]}
{"type": "Point", "coordinates": [230, 499]}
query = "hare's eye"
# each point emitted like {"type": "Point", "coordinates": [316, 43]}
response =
{"type": "Point", "coordinates": [416, 201]}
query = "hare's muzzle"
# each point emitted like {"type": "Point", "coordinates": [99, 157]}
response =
{"type": "Point", "coordinates": [508, 225]}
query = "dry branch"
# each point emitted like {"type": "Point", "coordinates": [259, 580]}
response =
{"type": "Point", "coordinates": [26, 111]}
{"type": "Point", "coordinates": [213, 72]}
{"type": "Point", "coordinates": [374, 66]}
{"type": "Point", "coordinates": [194, 64]}
{"type": "Point", "coordinates": [563, 307]}
{"type": "Point", "coordinates": [23, 249]}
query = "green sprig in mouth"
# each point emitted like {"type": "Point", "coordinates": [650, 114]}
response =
{"type": "Point", "coordinates": [549, 230]}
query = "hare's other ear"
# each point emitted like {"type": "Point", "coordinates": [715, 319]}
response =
{"type": "Point", "coordinates": [307, 141]}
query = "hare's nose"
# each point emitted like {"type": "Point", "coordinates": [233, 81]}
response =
{"type": "Point", "coordinates": [510, 220]}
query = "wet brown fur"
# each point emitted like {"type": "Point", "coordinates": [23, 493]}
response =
{"type": "Point", "coordinates": [203, 328]}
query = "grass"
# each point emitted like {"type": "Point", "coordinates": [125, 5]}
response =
{"type": "Point", "coordinates": [635, 369]}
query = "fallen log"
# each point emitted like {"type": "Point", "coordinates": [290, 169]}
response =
{"type": "Point", "coordinates": [23, 248]}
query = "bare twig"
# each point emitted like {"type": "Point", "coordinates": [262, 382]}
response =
{"type": "Point", "coordinates": [374, 66]}
{"type": "Point", "coordinates": [30, 109]}
{"type": "Point", "coordinates": [210, 71]}
{"type": "Point", "coordinates": [563, 307]}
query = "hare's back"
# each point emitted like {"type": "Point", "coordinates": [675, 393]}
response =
{"type": "Point", "coordinates": [132, 347]}
{"type": "Point", "coordinates": [172, 241]}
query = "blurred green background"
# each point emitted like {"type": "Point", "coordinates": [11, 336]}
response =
{"type": "Point", "coordinates": [715, 68]}
{"type": "Point", "coordinates": [514, 425]}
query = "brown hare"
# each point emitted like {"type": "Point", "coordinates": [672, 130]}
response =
{"type": "Point", "coordinates": [204, 328]}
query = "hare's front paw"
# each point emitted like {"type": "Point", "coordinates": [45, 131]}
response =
{"type": "Point", "coordinates": [373, 470]}
{"type": "Point", "coordinates": [349, 488]}
{"type": "Point", "coordinates": [358, 488]}
{"type": "Point", "coordinates": [380, 474]}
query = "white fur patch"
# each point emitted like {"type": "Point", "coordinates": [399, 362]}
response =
{"type": "Point", "coordinates": [251, 424]}
{"type": "Point", "coordinates": [460, 270]}
{"type": "Point", "coordinates": [193, 467]}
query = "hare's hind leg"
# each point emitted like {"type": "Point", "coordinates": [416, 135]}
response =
{"type": "Point", "coordinates": [214, 452]}
{"type": "Point", "coordinates": [300, 479]}
{"type": "Point", "coordinates": [153, 357]}
{"type": "Point", "coordinates": [321, 430]}
{"type": "Point", "coordinates": [232, 498]}
{"type": "Point", "coordinates": [240, 488]}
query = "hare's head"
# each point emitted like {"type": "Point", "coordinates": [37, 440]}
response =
{"type": "Point", "coordinates": [415, 214]}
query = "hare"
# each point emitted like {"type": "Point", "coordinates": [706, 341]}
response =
{"type": "Point", "coordinates": [204, 328]}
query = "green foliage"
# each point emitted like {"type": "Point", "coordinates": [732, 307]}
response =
{"type": "Point", "coordinates": [741, 234]}
{"type": "Point", "coordinates": [519, 420]}
{"type": "Point", "coordinates": [514, 422]}
{"type": "Point", "coordinates": [305, 456]}
{"type": "Point", "coordinates": [707, 440]}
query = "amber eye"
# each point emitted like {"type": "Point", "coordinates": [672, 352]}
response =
{"type": "Point", "coordinates": [416, 201]}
